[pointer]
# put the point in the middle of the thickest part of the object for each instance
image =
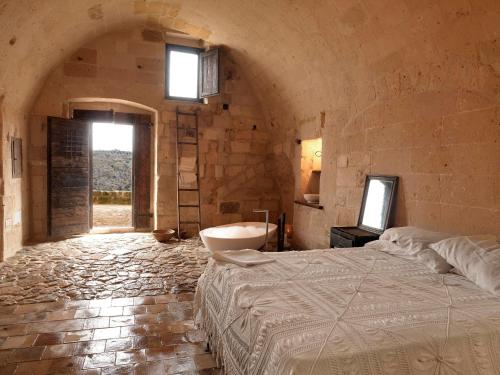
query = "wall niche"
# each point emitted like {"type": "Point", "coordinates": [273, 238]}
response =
{"type": "Point", "coordinates": [310, 169]}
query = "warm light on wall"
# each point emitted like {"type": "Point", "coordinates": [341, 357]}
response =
{"type": "Point", "coordinates": [311, 153]}
{"type": "Point", "coordinates": [310, 165]}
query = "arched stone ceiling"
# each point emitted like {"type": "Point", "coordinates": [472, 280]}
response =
{"type": "Point", "coordinates": [301, 56]}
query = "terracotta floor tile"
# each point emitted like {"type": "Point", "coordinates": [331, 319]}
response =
{"type": "Point", "coordinates": [130, 356]}
{"type": "Point", "coordinates": [166, 298]}
{"type": "Point", "coordinates": [87, 313]}
{"type": "Point", "coordinates": [33, 368]}
{"type": "Point", "coordinates": [159, 354]}
{"type": "Point", "coordinates": [27, 354]}
{"type": "Point", "coordinates": [90, 347]}
{"type": "Point", "coordinates": [49, 339]}
{"type": "Point", "coordinates": [8, 369]}
{"type": "Point", "coordinates": [111, 311]}
{"type": "Point", "coordinates": [150, 368]}
{"type": "Point", "coordinates": [204, 361]}
{"type": "Point", "coordinates": [185, 296]}
{"type": "Point", "coordinates": [121, 344]}
{"type": "Point", "coordinates": [179, 365]}
{"type": "Point", "coordinates": [189, 350]}
{"type": "Point", "coordinates": [173, 339]}
{"type": "Point", "coordinates": [13, 330]}
{"type": "Point", "coordinates": [136, 330]}
{"type": "Point", "coordinates": [34, 317]}
{"type": "Point", "coordinates": [121, 321]}
{"type": "Point", "coordinates": [29, 308]}
{"type": "Point", "coordinates": [77, 304]}
{"type": "Point", "coordinates": [68, 365]}
{"type": "Point", "coordinates": [144, 300]}
{"type": "Point", "coordinates": [18, 342]}
{"type": "Point", "coordinates": [8, 320]}
{"type": "Point", "coordinates": [155, 309]}
{"type": "Point", "coordinates": [182, 326]}
{"type": "Point", "coordinates": [131, 310]}
{"type": "Point", "coordinates": [106, 333]}
{"type": "Point", "coordinates": [6, 357]}
{"type": "Point", "coordinates": [56, 326]}
{"type": "Point", "coordinates": [60, 315]}
{"type": "Point", "coordinates": [74, 336]}
{"type": "Point", "coordinates": [122, 302]}
{"type": "Point", "coordinates": [100, 303]}
{"type": "Point", "coordinates": [101, 322]}
{"type": "Point", "coordinates": [174, 316]}
{"type": "Point", "coordinates": [143, 342]}
{"type": "Point", "coordinates": [146, 318]}
{"type": "Point", "coordinates": [59, 351]}
{"type": "Point", "coordinates": [118, 370]}
{"type": "Point", "coordinates": [8, 310]}
{"type": "Point", "coordinates": [99, 360]}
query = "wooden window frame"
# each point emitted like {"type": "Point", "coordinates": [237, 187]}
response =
{"type": "Point", "coordinates": [186, 49]}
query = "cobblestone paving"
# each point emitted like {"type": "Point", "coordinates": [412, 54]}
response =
{"type": "Point", "coordinates": [101, 266]}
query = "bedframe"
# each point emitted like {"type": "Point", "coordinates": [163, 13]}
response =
{"type": "Point", "coordinates": [348, 311]}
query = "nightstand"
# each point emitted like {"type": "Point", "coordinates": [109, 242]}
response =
{"type": "Point", "coordinates": [350, 237]}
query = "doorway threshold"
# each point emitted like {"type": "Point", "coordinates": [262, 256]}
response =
{"type": "Point", "coordinates": [106, 230]}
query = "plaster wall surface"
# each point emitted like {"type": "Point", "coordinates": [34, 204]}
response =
{"type": "Point", "coordinates": [233, 143]}
{"type": "Point", "coordinates": [407, 87]}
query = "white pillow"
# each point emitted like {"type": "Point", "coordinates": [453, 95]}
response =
{"type": "Point", "coordinates": [403, 235]}
{"type": "Point", "coordinates": [415, 244]}
{"type": "Point", "coordinates": [475, 257]}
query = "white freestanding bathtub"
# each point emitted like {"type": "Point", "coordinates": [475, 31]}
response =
{"type": "Point", "coordinates": [237, 236]}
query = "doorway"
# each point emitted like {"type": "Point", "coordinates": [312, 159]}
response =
{"type": "Point", "coordinates": [112, 176]}
{"type": "Point", "coordinates": [70, 171]}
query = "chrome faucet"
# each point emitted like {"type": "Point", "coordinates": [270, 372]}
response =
{"type": "Point", "coordinates": [267, 223]}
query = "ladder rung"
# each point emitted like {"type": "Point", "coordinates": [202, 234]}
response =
{"type": "Point", "coordinates": [186, 114]}
{"type": "Point", "coordinates": [188, 205]}
{"type": "Point", "coordinates": [189, 189]}
{"type": "Point", "coordinates": [187, 143]}
{"type": "Point", "coordinates": [189, 222]}
{"type": "Point", "coordinates": [183, 128]}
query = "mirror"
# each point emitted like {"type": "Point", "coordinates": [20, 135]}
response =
{"type": "Point", "coordinates": [376, 206]}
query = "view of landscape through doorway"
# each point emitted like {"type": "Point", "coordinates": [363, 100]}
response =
{"type": "Point", "coordinates": [112, 175]}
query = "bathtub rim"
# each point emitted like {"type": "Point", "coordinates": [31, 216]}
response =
{"type": "Point", "coordinates": [271, 229]}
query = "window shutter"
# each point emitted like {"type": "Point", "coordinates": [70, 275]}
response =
{"type": "Point", "coordinates": [17, 157]}
{"type": "Point", "coordinates": [209, 73]}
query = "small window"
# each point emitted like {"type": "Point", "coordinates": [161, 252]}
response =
{"type": "Point", "coordinates": [191, 73]}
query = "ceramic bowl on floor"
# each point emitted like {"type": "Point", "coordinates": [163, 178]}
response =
{"type": "Point", "coordinates": [163, 235]}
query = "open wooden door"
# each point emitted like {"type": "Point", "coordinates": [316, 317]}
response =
{"type": "Point", "coordinates": [68, 162]}
{"type": "Point", "coordinates": [142, 173]}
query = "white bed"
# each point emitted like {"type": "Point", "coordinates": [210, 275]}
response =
{"type": "Point", "coordinates": [347, 311]}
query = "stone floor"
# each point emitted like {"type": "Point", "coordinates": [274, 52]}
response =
{"type": "Point", "coordinates": [112, 215]}
{"type": "Point", "coordinates": [101, 266]}
{"type": "Point", "coordinates": [139, 335]}
{"type": "Point", "coordinates": [102, 304]}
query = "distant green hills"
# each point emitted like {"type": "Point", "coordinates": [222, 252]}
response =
{"type": "Point", "coordinates": [112, 170]}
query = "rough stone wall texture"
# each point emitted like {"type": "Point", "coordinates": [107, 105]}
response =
{"type": "Point", "coordinates": [397, 87]}
{"type": "Point", "coordinates": [233, 143]}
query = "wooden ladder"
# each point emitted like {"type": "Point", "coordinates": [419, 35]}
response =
{"type": "Point", "coordinates": [179, 144]}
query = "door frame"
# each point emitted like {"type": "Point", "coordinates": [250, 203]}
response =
{"type": "Point", "coordinates": [110, 116]}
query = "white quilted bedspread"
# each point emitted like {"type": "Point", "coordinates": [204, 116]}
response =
{"type": "Point", "coordinates": [347, 311]}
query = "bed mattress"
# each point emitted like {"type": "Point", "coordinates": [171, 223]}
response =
{"type": "Point", "coordinates": [347, 311]}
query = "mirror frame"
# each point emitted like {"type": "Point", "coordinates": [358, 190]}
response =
{"type": "Point", "coordinates": [388, 216]}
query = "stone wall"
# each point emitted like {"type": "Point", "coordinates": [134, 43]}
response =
{"type": "Point", "coordinates": [399, 87]}
{"type": "Point", "coordinates": [235, 163]}
{"type": "Point", "coordinates": [14, 191]}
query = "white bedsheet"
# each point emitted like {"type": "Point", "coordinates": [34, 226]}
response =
{"type": "Point", "coordinates": [347, 311]}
